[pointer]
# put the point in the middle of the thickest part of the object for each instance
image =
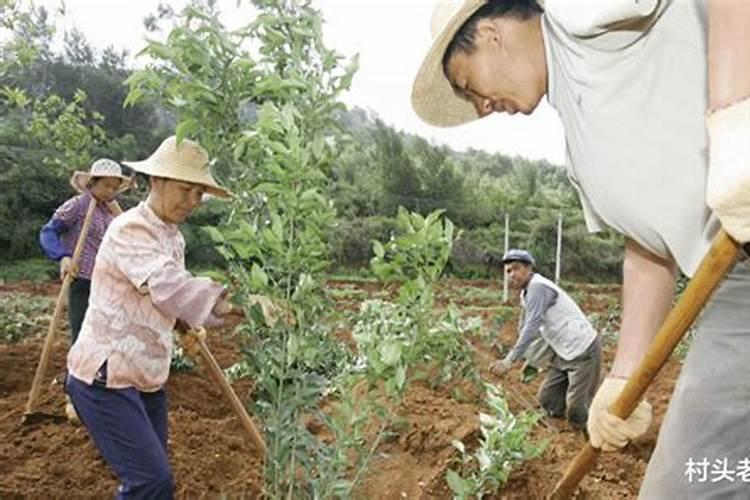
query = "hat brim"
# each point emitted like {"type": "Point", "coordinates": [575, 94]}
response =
{"type": "Point", "coordinates": [432, 97]}
{"type": "Point", "coordinates": [151, 168]}
{"type": "Point", "coordinates": [80, 179]}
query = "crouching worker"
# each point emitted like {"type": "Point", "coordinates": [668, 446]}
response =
{"type": "Point", "coordinates": [573, 358]}
{"type": "Point", "coordinates": [140, 289]}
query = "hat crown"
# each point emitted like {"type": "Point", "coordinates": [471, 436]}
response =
{"type": "Point", "coordinates": [516, 254]}
{"type": "Point", "coordinates": [105, 167]}
{"type": "Point", "coordinates": [187, 155]}
{"type": "Point", "coordinates": [442, 13]}
{"type": "Point", "coordinates": [186, 162]}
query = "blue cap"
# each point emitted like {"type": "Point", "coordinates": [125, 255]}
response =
{"type": "Point", "coordinates": [517, 255]}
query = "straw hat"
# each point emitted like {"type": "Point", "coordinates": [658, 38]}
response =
{"type": "Point", "coordinates": [187, 162]}
{"type": "Point", "coordinates": [103, 167]}
{"type": "Point", "coordinates": [432, 96]}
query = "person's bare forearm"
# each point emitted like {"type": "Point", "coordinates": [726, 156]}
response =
{"type": "Point", "coordinates": [728, 52]}
{"type": "Point", "coordinates": [647, 292]}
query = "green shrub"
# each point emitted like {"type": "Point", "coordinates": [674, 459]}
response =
{"type": "Point", "coordinates": [351, 240]}
{"type": "Point", "coordinates": [503, 445]}
{"type": "Point", "coordinates": [36, 270]}
{"type": "Point", "coordinates": [403, 340]}
{"type": "Point", "coordinates": [23, 315]}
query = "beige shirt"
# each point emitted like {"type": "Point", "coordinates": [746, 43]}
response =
{"type": "Point", "coordinates": [628, 79]}
{"type": "Point", "coordinates": [138, 290]}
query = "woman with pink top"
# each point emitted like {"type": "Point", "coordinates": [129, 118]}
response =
{"type": "Point", "coordinates": [139, 291]}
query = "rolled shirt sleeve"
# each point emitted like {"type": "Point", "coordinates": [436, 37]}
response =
{"type": "Point", "coordinates": [177, 293]}
{"type": "Point", "coordinates": [538, 299]}
{"type": "Point", "coordinates": [159, 270]}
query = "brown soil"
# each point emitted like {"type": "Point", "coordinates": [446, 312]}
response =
{"type": "Point", "coordinates": [210, 458]}
{"type": "Point", "coordinates": [415, 466]}
{"type": "Point", "coordinates": [52, 459]}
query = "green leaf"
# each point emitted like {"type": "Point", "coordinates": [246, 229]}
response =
{"type": "Point", "coordinates": [215, 235]}
{"type": "Point", "coordinates": [528, 373]}
{"type": "Point", "coordinates": [400, 378]}
{"type": "Point", "coordinates": [390, 352]}
{"type": "Point", "coordinates": [186, 128]}
{"type": "Point", "coordinates": [378, 250]}
{"type": "Point", "coordinates": [457, 484]}
{"type": "Point", "coordinates": [340, 488]}
{"type": "Point", "coordinates": [346, 80]}
{"type": "Point", "coordinates": [258, 277]}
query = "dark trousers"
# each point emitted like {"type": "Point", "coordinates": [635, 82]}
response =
{"type": "Point", "coordinates": [129, 429]}
{"type": "Point", "coordinates": [570, 386]}
{"type": "Point", "coordinates": [78, 302]}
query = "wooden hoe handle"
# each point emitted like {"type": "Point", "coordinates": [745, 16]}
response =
{"type": "Point", "coordinates": [41, 368]}
{"type": "Point", "coordinates": [714, 266]}
{"type": "Point", "coordinates": [196, 338]}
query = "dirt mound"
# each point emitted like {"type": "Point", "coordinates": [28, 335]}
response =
{"type": "Point", "coordinates": [208, 450]}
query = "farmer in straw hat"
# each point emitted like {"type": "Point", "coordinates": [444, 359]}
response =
{"type": "Point", "coordinates": [140, 289]}
{"type": "Point", "coordinates": [59, 236]}
{"type": "Point", "coordinates": [628, 78]}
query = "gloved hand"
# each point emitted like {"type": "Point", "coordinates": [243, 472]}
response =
{"type": "Point", "coordinates": [608, 432]}
{"type": "Point", "coordinates": [67, 266]}
{"type": "Point", "coordinates": [728, 190]}
{"type": "Point", "coordinates": [189, 339]}
{"type": "Point", "coordinates": [500, 366]}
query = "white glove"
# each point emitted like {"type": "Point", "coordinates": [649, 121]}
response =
{"type": "Point", "coordinates": [609, 432]}
{"type": "Point", "coordinates": [728, 190]}
{"type": "Point", "coordinates": [500, 366]}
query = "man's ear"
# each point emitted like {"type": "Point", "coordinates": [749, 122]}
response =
{"type": "Point", "coordinates": [488, 30]}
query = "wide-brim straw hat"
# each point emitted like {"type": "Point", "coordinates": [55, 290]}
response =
{"type": "Point", "coordinates": [432, 96]}
{"type": "Point", "coordinates": [103, 167]}
{"type": "Point", "coordinates": [186, 161]}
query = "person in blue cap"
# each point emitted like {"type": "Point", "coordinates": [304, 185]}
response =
{"type": "Point", "coordinates": [565, 342]}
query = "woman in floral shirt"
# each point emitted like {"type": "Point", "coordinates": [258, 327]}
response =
{"type": "Point", "coordinates": [140, 289]}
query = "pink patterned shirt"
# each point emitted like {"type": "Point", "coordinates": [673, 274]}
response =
{"type": "Point", "coordinates": [139, 289]}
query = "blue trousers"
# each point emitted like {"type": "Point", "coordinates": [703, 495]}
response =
{"type": "Point", "coordinates": [129, 428]}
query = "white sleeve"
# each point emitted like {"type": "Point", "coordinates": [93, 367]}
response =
{"type": "Point", "coordinates": [592, 17]}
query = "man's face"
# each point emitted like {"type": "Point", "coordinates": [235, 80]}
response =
{"type": "Point", "coordinates": [503, 74]}
{"type": "Point", "coordinates": [518, 274]}
{"type": "Point", "coordinates": [176, 200]}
